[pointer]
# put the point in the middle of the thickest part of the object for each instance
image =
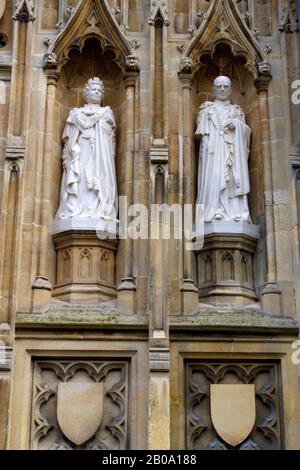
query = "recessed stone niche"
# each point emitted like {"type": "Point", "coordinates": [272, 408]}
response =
{"type": "Point", "coordinates": [85, 269]}
{"type": "Point", "coordinates": [225, 263]}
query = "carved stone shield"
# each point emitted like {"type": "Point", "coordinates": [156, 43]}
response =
{"type": "Point", "coordinates": [233, 411]}
{"type": "Point", "coordinates": [79, 410]}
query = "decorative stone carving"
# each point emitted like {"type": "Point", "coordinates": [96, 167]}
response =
{"type": "Point", "coordinates": [288, 21]}
{"type": "Point", "coordinates": [24, 11]}
{"type": "Point", "coordinates": [85, 267]}
{"type": "Point", "coordinates": [89, 186]}
{"type": "Point", "coordinates": [50, 61]}
{"type": "Point", "coordinates": [72, 411]}
{"type": "Point", "coordinates": [264, 69]}
{"type": "Point", "coordinates": [135, 44]}
{"type": "Point", "coordinates": [156, 7]}
{"type": "Point", "coordinates": [227, 400]}
{"type": "Point", "coordinates": [225, 263]}
{"type": "Point", "coordinates": [267, 49]}
{"type": "Point", "coordinates": [79, 423]}
{"type": "Point", "coordinates": [267, 431]}
{"type": "Point", "coordinates": [186, 65]}
{"type": "Point", "coordinates": [225, 24]}
{"type": "Point", "coordinates": [223, 178]}
{"type": "Point", "coordinates": [132, 63]}
{"type": "Point", "coordinates": [91, 18]}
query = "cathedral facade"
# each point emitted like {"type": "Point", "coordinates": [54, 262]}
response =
{"type": "Point", "coordinates": [150, 224]}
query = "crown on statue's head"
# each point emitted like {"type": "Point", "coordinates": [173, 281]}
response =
{"type": "Point", "coordinates": [94, 81]}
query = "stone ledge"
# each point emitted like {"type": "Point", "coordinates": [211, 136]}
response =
{"type": "Point", "coordinates": [102, 316]}
{"type": "Point", "coordinates": [243, 321]}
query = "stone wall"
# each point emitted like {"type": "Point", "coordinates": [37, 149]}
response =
{"type": "Point", "coordinates": [157, 60]}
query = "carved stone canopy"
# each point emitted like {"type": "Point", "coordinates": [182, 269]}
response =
{"type": "Point", "coordinates": [159, 8]}
{"type": "Point", "coordinates": [224, 27]}
{"type": "Point", "coordinates": [288, 20]}
{"type": "Point", "coordinates": [24, 11]}
{"type": "Point", "coordinates": [91, 22]}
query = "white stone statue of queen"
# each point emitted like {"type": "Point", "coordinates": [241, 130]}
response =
{"type": "Point", "coordinates": [223, 178]}
{"type": "Point", "coordinates": [89, 186]}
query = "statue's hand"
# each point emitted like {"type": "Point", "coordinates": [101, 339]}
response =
{"type": "Point", "coordinates": [230, 125]}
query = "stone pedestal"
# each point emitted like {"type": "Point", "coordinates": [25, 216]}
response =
{"type": "Point", "coordinates": [85, 271]}
{"type": "Point", "coordinates": [225, 263]}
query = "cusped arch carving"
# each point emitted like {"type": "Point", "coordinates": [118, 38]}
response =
{"type": "Point", "coordinates": [224, 25]}
{"type": "Point", "coordinates": [92, 19]}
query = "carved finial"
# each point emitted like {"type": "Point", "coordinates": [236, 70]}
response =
{"type": "Point", "coordinates": [156, 7]}
{"type": "Point", "coordinates": [24, 11]}
{"type": "Point", "coordinates": [132, 63]}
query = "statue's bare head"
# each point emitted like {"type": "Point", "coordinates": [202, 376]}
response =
{"type": "Point", "coordinates": [93, 91]}
{"type": "Point", "coordinates": [222, 88]}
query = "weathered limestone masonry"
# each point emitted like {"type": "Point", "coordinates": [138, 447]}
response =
{"type": "Point", "coordinates": [149, 336]}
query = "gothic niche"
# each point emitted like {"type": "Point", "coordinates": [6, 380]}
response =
{"type": "Point", "coordinates": [89, 46]}
{"type": "Point", "coordinates": [225, 46]}
{"type": "Point", "coordinates": [231, 284]}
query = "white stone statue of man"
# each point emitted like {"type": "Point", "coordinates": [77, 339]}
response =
{"type": "Point", "coordinates": [223, 178]}
{"type": "Point", "coordinates": [89, 186]}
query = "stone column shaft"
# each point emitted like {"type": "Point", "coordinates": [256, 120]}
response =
{"type": "Point", "coordinates": [189, 290]}
{"type": "Point", "coordinates": [271, 293]}
{"type": "Point", "coordinates": [127, 288]}
{"type": "Point", "coordinates": [42, 285]}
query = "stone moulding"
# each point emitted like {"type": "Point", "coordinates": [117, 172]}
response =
{"type": "Point", "coordinates": [102, 316]}
{"type": "Point", "coordinates": [234, 321]}
{"type": "Point", "coordinates": [206, 320]}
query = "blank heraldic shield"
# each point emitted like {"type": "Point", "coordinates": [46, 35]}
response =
{"type": "Point", "coordinates": [79, 410]}
{"type": "Point", "coordinates": [233, 411]}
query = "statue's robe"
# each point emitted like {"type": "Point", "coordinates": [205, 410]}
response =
{"type": "Point", "coordinates": [89, 187]}
{"type": "Point", "coordinates": [223, 178]}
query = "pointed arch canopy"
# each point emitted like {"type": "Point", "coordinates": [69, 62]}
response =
{"type": "Point", "coordinates": [224, 24]}
{"type": "Point", "coordinates": [91, 19]}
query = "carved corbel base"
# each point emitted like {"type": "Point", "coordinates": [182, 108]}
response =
{"type": "Point", "coordinates": [189, 297]}
{"type": "Point", "coordinates": [127, 295]}
{"type": "Point", "coordinates": [85, 267]}
{"type": "Point", "coordinates": [271, 299]}
{"type": "Point", "coordinates": [225, 264]}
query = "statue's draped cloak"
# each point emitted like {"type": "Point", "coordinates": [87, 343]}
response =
{"type": "Point", "coordinates": [89, 186]}
{"type": "Point", "coordinates": [223, 182]}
